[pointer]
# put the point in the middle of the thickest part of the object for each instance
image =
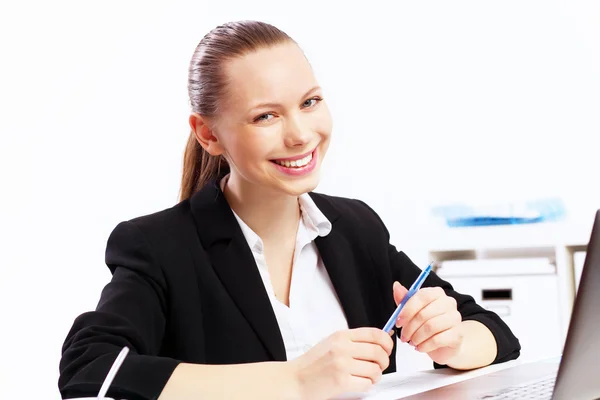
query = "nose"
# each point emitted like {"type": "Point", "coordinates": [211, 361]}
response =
{"type": "Point", "coordinates": [296, 134]}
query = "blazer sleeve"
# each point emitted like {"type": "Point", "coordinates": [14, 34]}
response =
{"type": "Point", "coordinates": [406, 272]}
{"type": "Point", "coordinates": [131, 312]}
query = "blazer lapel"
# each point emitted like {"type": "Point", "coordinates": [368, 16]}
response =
{"type": "Point", "coordinates": [336, 252]}
{"type": "Point", "coordinates": [234, 263]}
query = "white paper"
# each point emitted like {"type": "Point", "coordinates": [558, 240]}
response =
{"type": "Point", "coordinates": [397, 385]}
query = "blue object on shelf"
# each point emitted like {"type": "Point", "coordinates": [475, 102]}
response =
{"type": "Point", "coordinates": [460, 215]}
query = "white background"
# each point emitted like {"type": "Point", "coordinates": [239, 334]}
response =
{"type": "Point", "coordinates": [433, 102]}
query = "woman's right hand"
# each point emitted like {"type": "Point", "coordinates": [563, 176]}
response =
{"type": "Point", "coordinates": [347, 361]}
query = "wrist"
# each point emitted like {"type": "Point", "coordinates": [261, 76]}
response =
{"type": "Point", "coordinates": [475, 348]}
{"type": "Point", "coordinates": [292, 382]}
{"type": "Point", "coordinates": [457, 357]}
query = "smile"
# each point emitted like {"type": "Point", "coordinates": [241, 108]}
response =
{"type": "Point", "coordinates": [295, 163]}
{"type": "Point", "coordinates": [297, 166]}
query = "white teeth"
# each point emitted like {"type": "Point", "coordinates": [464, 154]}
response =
{"type": "Point", "coordinates": [296, 163]}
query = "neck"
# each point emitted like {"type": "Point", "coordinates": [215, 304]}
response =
{"type": "Point", "coordinates": [269, 214]}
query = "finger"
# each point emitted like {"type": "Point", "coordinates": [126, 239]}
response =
{"type": "Point", "coordinates": [370, 352]}
{"type": "Point", "coordinates": [434, 326]}
{"type": "Point", "coordinates": [448, 338]}
{"type": "Point", "coordinates": [373, 335]}
{"type": "Point", "coordinates": [365, 369]}
{"type": "Point", "coordinates": [399, 292]}
{"type": "Point", "coordinates": [439, 306]}
{"type": "Point", "coordinates": [416, 303]}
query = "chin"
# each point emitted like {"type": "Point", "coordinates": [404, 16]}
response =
{"type": "Point", "coordinates": [301, 186]}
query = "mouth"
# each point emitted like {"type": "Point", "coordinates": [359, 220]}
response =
{"type": "Point", "coordinates": [295, 162]}
{"type": "Point", "coordinates": [298, 166]}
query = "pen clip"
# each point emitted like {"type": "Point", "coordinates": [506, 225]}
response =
{"type": "Point", "coordinates": [419, 282]}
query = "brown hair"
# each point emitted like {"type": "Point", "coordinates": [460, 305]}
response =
{"type": "Point", "coordinates": [207, 86]}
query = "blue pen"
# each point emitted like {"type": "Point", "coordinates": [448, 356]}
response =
{"type": "Point", "coordinates": [411, 292]}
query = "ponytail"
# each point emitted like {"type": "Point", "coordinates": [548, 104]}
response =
{"type": "Point", "coordinates": [199, 168]}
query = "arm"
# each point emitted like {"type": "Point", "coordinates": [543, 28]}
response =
{"type": "Point", "coordinates": [478, 347]}
{"type": "Point", "coordinates": [272, 380]}
{"type": "Point", "coordinates": [132, 312]}
{"type": "Point", "coordinates": [449, 326]}
{"type": "Point", "coordinates": [484, 337]}
{"type": "Point", "coordinates": [348, 361]}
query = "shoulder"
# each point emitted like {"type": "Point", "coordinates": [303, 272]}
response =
{"type": "Point", "coordinates": [351, 211]}
{"type": "Point", "coordinates": [164, 222]}
{"type": "Point", "coordinates": [159, 230]}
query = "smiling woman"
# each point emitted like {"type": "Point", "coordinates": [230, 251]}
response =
{"type": "Point", "coordinates": [270, 111]}
{"type": "Point", "coordinates": [252, 277]}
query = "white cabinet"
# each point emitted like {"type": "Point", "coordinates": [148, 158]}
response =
{"type": "Point", "coordinates": [530, 285]}
{"type": "Point", "coordinates": [523, 292]}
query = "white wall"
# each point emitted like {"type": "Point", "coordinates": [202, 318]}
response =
{"type": "Point", "coordinates": [433, 101]}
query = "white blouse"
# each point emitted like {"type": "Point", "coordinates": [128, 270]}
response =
{"type": "Point", "coordinates": [315, 311]}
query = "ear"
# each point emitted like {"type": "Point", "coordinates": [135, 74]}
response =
{"type": "Point", "coordinates": [205, 135]}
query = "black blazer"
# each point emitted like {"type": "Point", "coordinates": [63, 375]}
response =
{"type": "Point", "coordinates": [185, 288]}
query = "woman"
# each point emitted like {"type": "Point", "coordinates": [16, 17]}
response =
{"type": "Point", "coordinates": [253, 286]}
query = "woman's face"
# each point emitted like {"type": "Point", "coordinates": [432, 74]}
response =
{"type": "Point", "coordinates": [273, 127]}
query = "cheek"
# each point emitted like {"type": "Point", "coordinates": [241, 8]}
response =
{"type": "Point", "coordinates": [252, 146]}
{"type": "Point", "coordinates": [323, 123]}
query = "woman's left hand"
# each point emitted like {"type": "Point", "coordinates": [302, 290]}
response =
{"type": "Point", "coordinates": [430, 322]}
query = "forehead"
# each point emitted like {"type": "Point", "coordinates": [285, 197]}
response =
{"type": "Point", "coordinates": [275, 74]}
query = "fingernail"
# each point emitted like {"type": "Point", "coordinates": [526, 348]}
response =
{"type": "Point", "coordinates": [402, 339]}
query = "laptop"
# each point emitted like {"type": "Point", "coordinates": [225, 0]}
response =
{"type": "Point", "coordinates": [574, 376]}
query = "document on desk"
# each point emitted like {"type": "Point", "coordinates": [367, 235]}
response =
{"type": "Point", "coordinates": [398, 385]}
{"type": "Point", "coordinates": [393, 386]}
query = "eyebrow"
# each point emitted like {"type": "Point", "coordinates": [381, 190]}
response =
{"type": "Point", "coordinates": [275, 105]}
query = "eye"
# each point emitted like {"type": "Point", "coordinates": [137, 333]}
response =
{"type": "Point", "coordinates": [264, 117]}
{"type": "Point", "coordinates": [311, 102]}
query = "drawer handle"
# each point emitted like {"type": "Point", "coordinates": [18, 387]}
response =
{"type": "Point", "coordinates": [496, 294]}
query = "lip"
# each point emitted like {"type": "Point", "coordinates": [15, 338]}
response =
{"type": "Point", "coordinates": [307, 169]}
{"type": "Point", "coordinates": [300, 157]}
